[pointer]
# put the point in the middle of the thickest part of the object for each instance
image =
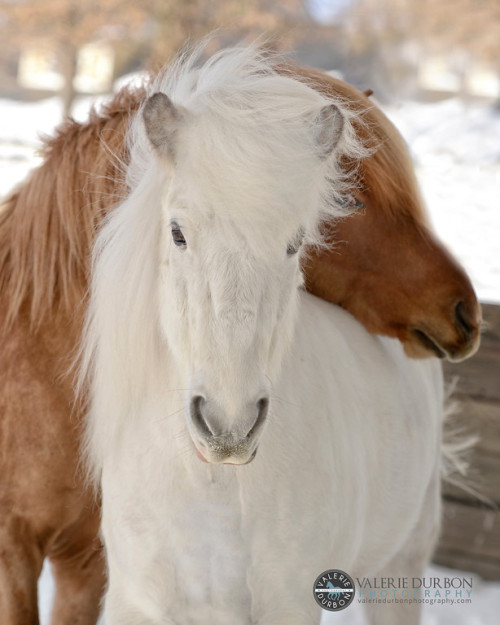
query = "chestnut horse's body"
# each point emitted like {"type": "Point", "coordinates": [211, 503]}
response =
{"type": "Point", "coordinates": [390, 273]}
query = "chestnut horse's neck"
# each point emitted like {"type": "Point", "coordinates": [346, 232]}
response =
{"type": "Point", "coordinates": [47, 225]}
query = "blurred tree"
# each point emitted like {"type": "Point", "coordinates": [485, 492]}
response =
{"type": "Point", "coordinates": [386, 30]}
{"type": "Point", "coordinates": [468, 29]}
{"type": "Point", "coordinates": [66, 25]}
{"type": "Point", "coordinates": [373, 33]}
{"type": "Point", "coordinates": [473, 25]}
{"type": "Point", "coordinates": [283, 22]}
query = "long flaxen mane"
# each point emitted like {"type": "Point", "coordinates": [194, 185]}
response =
{"type": "Point", "coordinates": [48, 224]}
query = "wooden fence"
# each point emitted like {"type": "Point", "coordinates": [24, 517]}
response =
{"type": "Point", "coordinates": [470, 537]}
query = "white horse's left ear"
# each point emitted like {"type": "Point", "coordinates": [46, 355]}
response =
{"type": "Point", "coordinates": [328, 126]}
{"type": "Point", "coordinates": [162, 119]}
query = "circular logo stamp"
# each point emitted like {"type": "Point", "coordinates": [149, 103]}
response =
{"type": "Point", "coordinates": [334, 590]}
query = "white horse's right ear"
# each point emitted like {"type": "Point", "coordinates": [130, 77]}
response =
{"type": "Point", "coordinates": [162, 119]}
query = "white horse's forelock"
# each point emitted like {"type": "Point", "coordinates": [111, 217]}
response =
{"type": "Point", "coordinates": [249, 106]}
{"type": "Point", "coordinates": [244, 98]}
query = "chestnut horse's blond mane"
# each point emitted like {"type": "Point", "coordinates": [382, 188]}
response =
{"type": "Point", "coordinates": [387, 178]}
{"type": "Point", "coordinates": [47, 225]}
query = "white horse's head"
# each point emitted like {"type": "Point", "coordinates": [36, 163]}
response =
{"type": "Point", "coordinates": [233, 168]}
{"type": "Point", "coordinates": [246, 164]}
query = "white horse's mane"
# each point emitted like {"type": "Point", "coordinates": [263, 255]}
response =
{"type": "Point", "coordinates": [240, 92]}
{"type": "Point", "coordinates": [246, 101]}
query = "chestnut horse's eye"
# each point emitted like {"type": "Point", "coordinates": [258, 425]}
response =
{"type": "Point", "coordinates": [294, 246]}
{"type": "Point", "coordinates": [177, 236]}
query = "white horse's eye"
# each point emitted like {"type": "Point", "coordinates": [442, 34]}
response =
{"type": "Point", "coordinates": [177, 236]}
{"type": "Point", "coordinates": [294, 246]}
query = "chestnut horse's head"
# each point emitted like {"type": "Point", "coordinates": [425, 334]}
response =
{"type": "Point", "coordinates": [387, 267]}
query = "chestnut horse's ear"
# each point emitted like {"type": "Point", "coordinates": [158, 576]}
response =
{"type": "Point", "coordinates": [328, 126]}
{"type": "Point", "coordinates": [162, 119]}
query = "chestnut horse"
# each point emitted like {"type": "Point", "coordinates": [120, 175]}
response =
{"type": "Point", "coordinates": [388, 270]}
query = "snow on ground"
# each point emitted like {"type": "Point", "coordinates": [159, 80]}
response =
{"type": "Point", "coordinates": [457, 155]}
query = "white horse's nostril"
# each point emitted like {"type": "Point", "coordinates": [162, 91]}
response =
{"type": "Point", "coordinates": [263, 406]}
{"type": "Point", "coordinates": [196, 410]}
{"type": "Point", "coordinates": [262, 410]}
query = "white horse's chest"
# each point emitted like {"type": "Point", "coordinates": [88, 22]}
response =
{"type": "Point", "coordinates": [210, 554]}
{"type": "Point", "coordinates": [183, 532]}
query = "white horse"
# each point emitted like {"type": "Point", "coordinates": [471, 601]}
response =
{"type": "Point", "coordinates": [247, 436]}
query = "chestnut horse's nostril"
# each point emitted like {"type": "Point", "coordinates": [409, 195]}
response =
{"type": "Point", "coordinates": [196, 409]}
{"type": "Point", "coordinates": [262, 409]}
{"type": "Point", "coordinates": [464, 323]}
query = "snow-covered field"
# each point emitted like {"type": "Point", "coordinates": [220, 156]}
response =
{"type": "Point", "coordinates": [457, 155]}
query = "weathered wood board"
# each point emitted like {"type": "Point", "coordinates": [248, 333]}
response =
{"type": "Point", "coordinates": [470, 537]}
